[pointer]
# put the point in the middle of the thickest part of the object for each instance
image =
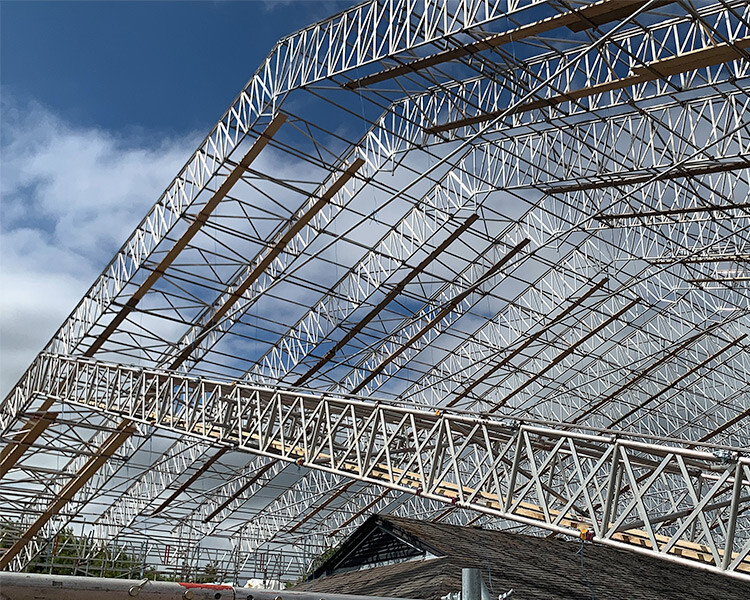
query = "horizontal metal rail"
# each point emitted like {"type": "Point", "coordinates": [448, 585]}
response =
{"type": "Point", "coordinates": [631, 493]}
{"type": "Point", "coordinates": [30, 586]}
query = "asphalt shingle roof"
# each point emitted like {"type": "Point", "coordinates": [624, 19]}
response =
{"type": "Point", "coordinates": [536, 568]}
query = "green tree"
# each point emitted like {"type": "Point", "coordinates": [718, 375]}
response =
{"type": "Point", "coordinates": [70, 554]}
{"type": "Point", "coordinates": [209, 574]}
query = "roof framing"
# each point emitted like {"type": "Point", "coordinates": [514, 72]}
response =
{"type": "Point", "coordinates": [519, 230]}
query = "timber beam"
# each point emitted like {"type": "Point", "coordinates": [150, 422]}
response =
{"type": "Point", "coordinates": [198, 222]}
{"type": "Point", "coordinates": [69, 490]}
{"type": "Point", "coordinates": [22, 441]}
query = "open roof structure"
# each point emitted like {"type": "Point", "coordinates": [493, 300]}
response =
{"type": "Point", "coordinates": [475, 261]}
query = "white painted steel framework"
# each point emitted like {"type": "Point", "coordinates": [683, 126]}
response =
{"type": "Point", "coordinates": [467, 260]}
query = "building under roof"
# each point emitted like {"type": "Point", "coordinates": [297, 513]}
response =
{"type": "Point", "coordinates": [398, 557]}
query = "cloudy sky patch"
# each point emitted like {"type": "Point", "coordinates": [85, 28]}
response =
{"type": "Point", "coordinates": [71, 195]}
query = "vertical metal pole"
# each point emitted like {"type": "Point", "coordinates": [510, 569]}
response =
{"type": "Point", "coordinates": [144, 553]}
{"type": "Point", "coordinates": [613, 484]}
{"type": "Point", "coordinates": [514, 469]}
{"type": "Point", "coordinates": [729, 544]}
{"type": "Point", "coordinates": [471, 584]}
{"type": "Point", "coordinates": [237, 558]}
{"type": "Point", "coordinates": [618, 491]}
{"type": "Point", "coordinates": [87, 554]}
{"type": "Point", "coordinates": [691, 537]}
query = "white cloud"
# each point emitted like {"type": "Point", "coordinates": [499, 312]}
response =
{"type": "Point", "coordinates": [70, 196]}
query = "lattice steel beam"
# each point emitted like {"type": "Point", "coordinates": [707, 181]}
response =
{"type": "Point", "coordinates": [454, 458]}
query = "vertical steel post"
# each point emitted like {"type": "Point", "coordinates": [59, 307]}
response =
{"type": "Point", "coordinates": [514, 469]}
{"type": "Point", "coordinates": [611, 486]}
{"type": "Point", "coordinates": [732, 525]}
{"type": "Point", "coordinates": [471, 584]}
{"type": "Point", "coordinates": [691, 536]}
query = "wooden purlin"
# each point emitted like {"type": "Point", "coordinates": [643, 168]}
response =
{"type": "Point", "coordinates": [322, 506]}
{"type": "Point", "coordinates": [576, 20]}
{"type": "Point", "coordinates": [444, 311]}
{"type": "Point", "coordinates": [272, 128]}
{"type": "Point", "coordinates": [389, 297]}
{"type": "Point", "coordinates": [674, 383]}
{"type": "Point", "coordinates": [257, 475]}
{"type": "Point", "coordinates": [115, 308]}
{"type": "Point", "coordinates": [669, 212]}
{"type": "Point", "coordinates": [720, 279]}
{"type": "Point", "coordinates": [23, 440]}
{"type": "Point", "coordinates": [271, 254]}
{"type": "Point", "coordinates": [704, 57]}
{"type": "Point", "coordinates": [622, 179]}
{"type": "Point", "coordinates": [724, 426]}
{"type": "Point", "coordinates": [200, 219]}
{"type": "Point", "coordinates": [700, 259]}
{"type": "Point", "coordinates": [565, 353]}
{"type": "Point", "coordinates": [616, 12]}
{"type": "Point", "coordinates": [644, 373]}
{"type": "Point", "coordinates": [530, 340]}
{"type": "Point", "coordinates": [695, 59]}
{"type": "Point", "coordinates": [103, 453]}
{"type": "Point", "coordinates": [43, 408]}
{"type": "Point", "coordinates": [360, 512]}
{"type": "Point", "coordinates": [192, 479]}
{"type": "Point", "coordinates": [443, 514]}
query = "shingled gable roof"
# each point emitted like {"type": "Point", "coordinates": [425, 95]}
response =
{"type": "Point", "coordinates": [378, 540]}
{"type": "Point", "coordinates": [536, 568]}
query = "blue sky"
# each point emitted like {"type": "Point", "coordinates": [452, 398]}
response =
{"type": "Point", "coordinates": [160, 67]}
{"type": "Point", "coordinates": [101, 104]}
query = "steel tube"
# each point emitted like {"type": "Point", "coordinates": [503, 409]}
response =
{"type": "Point", "coordinates": [729, 542]}
{"type": "Point", "coordinates": [471, 584]}
{"type": "Point", "coordinates": [34, 586]}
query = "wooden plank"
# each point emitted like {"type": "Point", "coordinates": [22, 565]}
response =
{"type": "Point", "coordinates": [616, 12]}
{"type": "Point", "coordinates": [268, 258]}
{"type": "Point", "coordinates": [473, 384]}
{"type": "Point", "coordinates": [389, 297]}
{"type": "Point", "coordinates": [202, 216]}
{"type": "Point", "coordinates": [643, 374]}
{"type": "Point", "coordinates": [360, 512]}
{"type": "Point", "coordinates": [621, 179]}
{"type": "Point", "coordinates": [454, 302]}
{"type": "Point", "coordinates": [23, 440]}
{"type": "Point", "coordinates": [696, 59]}
{"type": "Point", "coordinates": [565, 353]}
{"type": "Point", "coordinates": [190, 480]}
{"type": "Point", "coordinates": [704, 57]}
{"type": "Point", "coordinates": [686, 374]}
{"type": "Point", "coordinates": [104, 453]}
{"type": "Point", "coordinates": [723, 427]}
{"type": "Point", "coordinates": [668, 212]}
{"type": "Point", "coordinates": [257, 475]}
{"type": "Point", "coordinates": [322, 506]}
{"type": "Point", "coordinates": [577, 20]}
{"type": "Point", "coordinates": [449, 490]}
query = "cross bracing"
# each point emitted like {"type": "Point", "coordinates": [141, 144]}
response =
{"type": "Point", "coordinates": [530, 217]}
{"type": "Point", "coordinates": [527, 473]}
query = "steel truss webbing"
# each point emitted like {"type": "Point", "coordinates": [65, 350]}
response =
{"type": "Point", "coordinates": [366, 33]}
{"type": "Point", "coordinates": [685, 505]}
{"type": "Point", "coordinates": [312, 54]}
